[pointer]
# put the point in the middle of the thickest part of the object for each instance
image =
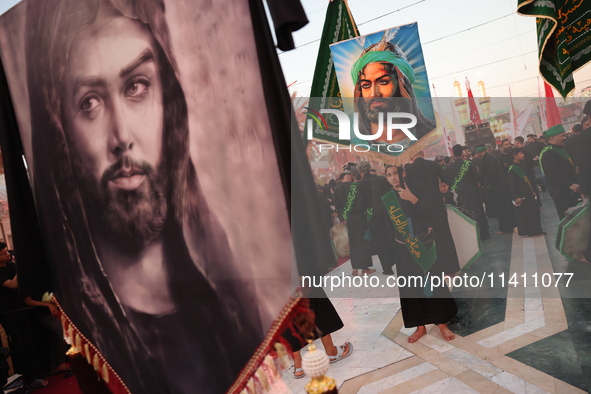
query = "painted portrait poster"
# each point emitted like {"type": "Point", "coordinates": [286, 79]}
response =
{"type": "Point", "coordinates": [383, 73]}
{"type": "Point", "coordinates": [144, 128]}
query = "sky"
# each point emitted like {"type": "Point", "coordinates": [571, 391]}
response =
{"type": "Point", "coordinates": [502, 51]}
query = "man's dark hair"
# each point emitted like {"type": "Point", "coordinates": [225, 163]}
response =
{"type": "Point", "coordinates": [457, 150]}
{"type": "Point", "coordinates": [520, 139]}
{"type": "Point", "coordinates": [587, 108]}
{"type": "Point", "coordinates": [577, 128]}
{"type": "Point", "coordinates": [3, 245]}
{"type": "Point", "coordinates": [515, 151]}
{"type": "Point", "coordinates": [531, 136]}
{"type": "Point", "coordinates": [446, 160]}
{"type": "Point", "coordinates": [505, 139]}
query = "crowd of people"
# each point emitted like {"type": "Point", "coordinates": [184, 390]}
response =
{"type": "Point", "coordinates": [401, 216]}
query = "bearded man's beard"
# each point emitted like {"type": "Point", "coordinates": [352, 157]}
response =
{"type": "Point", "coordinates": [130, 219]}
{"type": "Point", "coordinates": [391, 104]}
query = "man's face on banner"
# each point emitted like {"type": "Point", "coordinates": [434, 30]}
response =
{"type": "Point", "coordinates": [377, 89]}
{"type": "Point", "coordinates": [113, 118]}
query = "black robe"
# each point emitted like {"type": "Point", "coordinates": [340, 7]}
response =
{"type": "Point", "coordinates": [373, 189]}
{"type": "Point", "coordinates": [428, 174]}
{"type": "Point", "coordinates": [469, 191]}
{"type": "Point", "coordinates": [417, 309]}
{"type": "Point", "coordinates": [528, 213]}
{"type": "Point", "coordinates": [560, 175]}
{"type": "Point", "coordinates": [585, 173]}
{"type": "Point", "coordinates": [359, 245]}
{"type": "Point", "coordinates": [500, 199]}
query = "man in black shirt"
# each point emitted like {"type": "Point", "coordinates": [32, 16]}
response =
{"type": "Point", "coordinates": [585, 166]}
{"type": "Point", "coordinates": [14, 318]}
{"type": "Point", "coordinates": [559, 171]}
{"type": "Point", "coordinates": [464, 175]}
{"type": "Point", "coordinates": [494, 177]}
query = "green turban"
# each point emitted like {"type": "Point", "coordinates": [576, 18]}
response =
{"type": "Point", "coordinates": [554, 130]}
{"type": "Point", "coordinates": [480, 149]}
{"type": "Point", "coordinates": [382, 56]}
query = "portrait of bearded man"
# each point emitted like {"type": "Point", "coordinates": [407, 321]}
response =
{"type": "Point", "coordinates": [383, 83]}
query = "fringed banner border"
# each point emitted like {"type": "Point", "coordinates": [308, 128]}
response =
{"type": "Point", "coordinates": [93, 356]}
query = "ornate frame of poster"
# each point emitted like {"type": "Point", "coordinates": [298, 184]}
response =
{"type": "Point", "coordinates": [382, 77]}
{"type": "Point", "coordinates": [171, 266]}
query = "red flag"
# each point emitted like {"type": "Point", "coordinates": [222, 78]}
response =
{"type": "Point", "coordinates": [552, 114]}
{"type": "Point", "coordinates": [474, 115]}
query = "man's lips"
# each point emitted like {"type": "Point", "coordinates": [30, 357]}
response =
{"type": "Point", "coordinates": [128, 179]}
{"type": "Point", "coordinates": [377, 103]}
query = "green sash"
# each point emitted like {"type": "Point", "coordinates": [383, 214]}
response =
{"type": "Point", "coordinates": [519, 171]}
{"type": "Point", "coordinates": [350, 201]}
{"type": "Point", "coordinates": [369, 213]}
{"type": "Point", "coordinates": [558, 150]}
{"type": "Point", "coordinates": [424, 258]}
{"type": "Point", "coordinates": [461, 174]}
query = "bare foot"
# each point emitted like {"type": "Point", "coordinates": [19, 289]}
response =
{"type": "Point", "coordinates": [368, 271]}
{"type": "Point", "coordinates": [355, 273]}
{"type": "Point", "coordinates": [582, 259]}
{"type": "Point", "coordinates": [421, 330]}
{"type": "Point", "coordinates": [446, 332]}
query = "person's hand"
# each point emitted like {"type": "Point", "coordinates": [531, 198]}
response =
{"type": "Point", "coordinates": [574, 187]}
{"type": "Point", "coordinates": [518, 201]}
{"type": "Point", "coordinates": [406, 194]}
{"type": "Point", "coordinates": [54, 311]}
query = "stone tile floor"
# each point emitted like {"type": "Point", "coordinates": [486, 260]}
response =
{"type": "Point", "coordinates": [517, 340]}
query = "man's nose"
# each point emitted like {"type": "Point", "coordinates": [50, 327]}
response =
{"type": "Point", "coordinates": [121, 139]}
{"type": "Point", "coordinates": [374, 91]}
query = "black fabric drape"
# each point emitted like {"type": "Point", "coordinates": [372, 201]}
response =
{"type": "Point", "coordinates": [288, 16]}
{"type": "Point", "coordinates": [311, 242]}
{"type": "Point", "coordinates": [33, 268]}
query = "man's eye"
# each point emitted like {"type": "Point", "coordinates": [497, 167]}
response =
{"type": "Point", "coordinates": [384, 81]}
{"type": "Point", "coordinates": [137, 89]}
{"type": "Point", "coordinates": [90, 103]}
{"type": "Point", "coordinates": [365, 86]}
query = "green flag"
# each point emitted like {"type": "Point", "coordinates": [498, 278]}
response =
{"type": "Point", "coordinates": [564, 38]}
{"type": "Point", "coordinates": [325, 93]}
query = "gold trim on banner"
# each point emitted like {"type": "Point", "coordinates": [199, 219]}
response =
{"type": "Point", "coordinates": [72, 330]}
{"type": "Point", "coordinates": [256, 368]}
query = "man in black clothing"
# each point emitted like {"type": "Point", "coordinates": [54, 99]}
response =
{"type": "Point", "coordinates": [464, 177]}
{"type": "Point", "coordinates": [430, 174]}
{"type": "Point", "coordinates": [584, 175]}
{"type": "Point", "coordinates": [528, 162]}
{"type": "Point", "coordinates": [534, 146]}
{"type": "Point", "coordinates": [351, 205]}
{"type": "Point", "coordinates": [14, 318]}
{"type": "Point", "coordinates": [559, 171]}
{"type": "Point", "coordinates": [493, 177]}
{"type": "Point", "coordinates": [571, 145]}
{"type": "Point", "coordinates": [525, 199]}
{"type": "Point", "coordinates": [504, 156]}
